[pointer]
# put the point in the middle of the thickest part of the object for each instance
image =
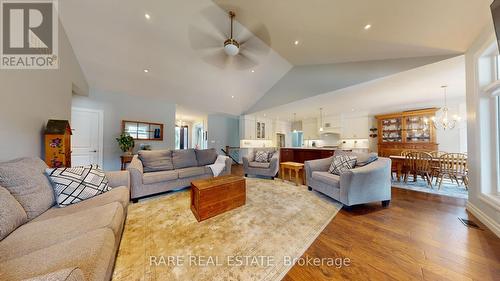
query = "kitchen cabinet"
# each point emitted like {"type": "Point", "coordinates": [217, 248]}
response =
{"type": "Point", "coordinates": [310, 129]}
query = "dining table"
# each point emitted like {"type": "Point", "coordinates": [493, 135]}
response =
{"type": "Point", "coordinates": [398, 162]}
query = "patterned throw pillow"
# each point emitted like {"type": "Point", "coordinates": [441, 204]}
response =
{"type": "Point", "coordinates": [342, 163]}
{"type": "Point", "coordinates": [262, 156]}
{"type": "Point", "coordinates": [72, 185]}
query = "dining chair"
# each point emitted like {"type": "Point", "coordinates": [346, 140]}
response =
{"type": "Point", "coordinates": [418, 164]}
{"type": "Point", "coordinates": [453, 166]}
{"type": "Point", "coordinates": [435, 164]}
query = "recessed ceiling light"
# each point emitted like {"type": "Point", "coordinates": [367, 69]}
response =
{"type": "Point", "coordinates": [296, 42]}
{"type": "Point", "coordinates": [252, 71]}
{"type": "Point", "coordinates": [368, 26]}
{"type": "Point", "coordinates": [353, 109]}
{"type": "Point", "coordinates": [232, 97]}
{"type": "Point", "coordinates": [147, 16]}
{"type": "Point", "coordinates": [146, 70]}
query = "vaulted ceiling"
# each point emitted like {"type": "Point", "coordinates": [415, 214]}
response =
{"type": "Point", "coordinates": [332, 31]}
{"type": "Point", "coordinates": [180, 44]}
{"type": "Point", "coordinates": [115, 43]}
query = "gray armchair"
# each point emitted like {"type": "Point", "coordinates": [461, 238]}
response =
{"type": "Point", "coordinates": [369, 183]}
{"type": "Point", "coordinates": [261, 169]}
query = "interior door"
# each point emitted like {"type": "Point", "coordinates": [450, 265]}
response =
{"type": "Point", "coordinates": [86, 141]}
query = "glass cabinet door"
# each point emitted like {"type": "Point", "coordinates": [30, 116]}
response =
{"type": "Point", "coordinates": [392, 130]}
{"type": "Point", "coordinates": [417, 129]}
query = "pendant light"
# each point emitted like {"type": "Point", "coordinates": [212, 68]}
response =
{"type": "Point", "coordinates": [321, 119]}
{"type": "Point", "coordinates": [443, 121]}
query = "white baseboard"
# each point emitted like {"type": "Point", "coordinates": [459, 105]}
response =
{"type": "Point", "coordinates": [490, 223]}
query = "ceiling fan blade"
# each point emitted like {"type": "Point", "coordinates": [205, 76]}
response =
{"type": "Point", "coordinates": [218, 19]}
{"type": "Point", "coordinates": [218, 59]}
{"type": "Point", "coordinates": [244, 61]}
{"type": "Point", "coordinates": [251, 42]}
{"type": "Point", "coordinates": [203, 40]}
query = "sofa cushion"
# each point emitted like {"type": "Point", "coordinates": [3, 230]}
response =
{"type": "Point", "coordinates": [25, 179]}
{"type": "Point", "coordinates": [191, 172]}
{"type": "Point", "coordinates": [327, 178]}
{"type": "Point", "coordinates": [76, 184]}
{"type": "Point", "coordinates": [342, 163]}
{"type": "Point", "coordinates": [262, 165]}
{"type": "Point", "coordinates": [37, 235]}
{"type": "Point", "coordinates": [12, 214]}
{"type": "Point", "coordinates": [206, 156]}
{"type": "Point", "coordinates": [156, 160]}
{"type": "Point", "coordinates": [156, 177]}
{"type": "Point", "coordinates": [92, 252]}
{"type": "Point", "coordinates": [118, 194]}
{"type": "Point", "coordinates": [184, 158]}
{"type": "Point", "coordinates": [67, 274]}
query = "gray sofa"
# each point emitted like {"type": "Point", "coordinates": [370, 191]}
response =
{"type": "Point", "coordinates": [363, 184]}
{"type": "Point", "coordinates": [157, 171]}
{"type": "Point", "coordinates": [270, 169]}
{"type": "Point", "coordinates": [40, 241]}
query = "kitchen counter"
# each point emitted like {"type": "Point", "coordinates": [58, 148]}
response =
{"type": "Point", "coordinates": [300, 155]}
{"type": "Point", "coordinates": [313, 148]}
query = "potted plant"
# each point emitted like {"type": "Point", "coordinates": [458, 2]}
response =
{"type": "Point", "coordinates": [126, 143]}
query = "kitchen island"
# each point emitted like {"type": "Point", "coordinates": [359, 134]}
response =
{"type": "Point", "coordinates": [300, 155]}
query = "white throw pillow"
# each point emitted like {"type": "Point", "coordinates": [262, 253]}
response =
{"type": "Point", "coordinates": [73, 185]}
{"type": "Point", "coordinates": [342, 163]}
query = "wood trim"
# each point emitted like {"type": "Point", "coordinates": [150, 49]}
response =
{"type": "Point", "coordinates": [149, 123]}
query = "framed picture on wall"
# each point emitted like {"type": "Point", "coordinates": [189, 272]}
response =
{"type": "Point", "coordinates": [263, 130]}
{"type": "Point", "coordinates": [258, 130]}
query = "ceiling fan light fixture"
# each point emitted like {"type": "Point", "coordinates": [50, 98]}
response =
{"type": "Point", "coordinates": [231, 47]}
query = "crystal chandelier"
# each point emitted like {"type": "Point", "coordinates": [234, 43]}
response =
{"type": "Point", "coordinates": [443, 121]}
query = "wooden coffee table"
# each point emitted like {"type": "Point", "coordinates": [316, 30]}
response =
{"type": "Point", "coordinates": [291, 166]}
{"type": "Point", "coordinates": [214, 196]}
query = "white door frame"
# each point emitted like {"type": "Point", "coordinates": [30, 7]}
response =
{"type": "Point", "coordinates": [100, 113]}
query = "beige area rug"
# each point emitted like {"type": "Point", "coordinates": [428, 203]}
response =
{"type": "Point", "coordinates": [162, 239]}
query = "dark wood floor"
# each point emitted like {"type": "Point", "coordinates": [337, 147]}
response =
{"type": "Point", "coordinates": [419, 237]}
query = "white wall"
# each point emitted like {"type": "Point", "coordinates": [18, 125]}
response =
{"type": "Point", "coordinates": [118, 107]}
{"type": "Point", "coordinates": [480, 168]}
{"type": "Point", "coordinates": [28, 98]}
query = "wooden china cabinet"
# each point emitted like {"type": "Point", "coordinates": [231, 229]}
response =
{"type": "Point", "coordinates": [407, 130]}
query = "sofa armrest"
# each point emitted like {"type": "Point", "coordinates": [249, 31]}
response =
{"type": "Point", "coordinates": [320, 165]}
{"type": "Point", "coordinates": [67, 274]}
{"type": "Point", "coordinates": [136, 171]}
{"type": "Point", "coordinates": [274, 164]}
{"type": "Point", "coordinates": [118, 178]}
{"type": "Point", "coordinates": [246, 162]}
{"type": "Point", "coordinates": [367, 184]}
{"type": "Point", "coordinates": [229, 164]}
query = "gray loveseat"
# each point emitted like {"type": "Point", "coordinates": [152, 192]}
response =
{"type": "Point", "coordinates": [40, 241]}
{"type": "Point", "coordinates": [363, 184]}
{"type": "Point", "coordinates": [157, 171]}
{"type": "Point", "coordinates": [266, 169]}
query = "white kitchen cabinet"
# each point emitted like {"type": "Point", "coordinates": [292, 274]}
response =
{"type": "Point", "coordinates": [310, 129]}
{"type": "Point", "coordinates": [356, 128]}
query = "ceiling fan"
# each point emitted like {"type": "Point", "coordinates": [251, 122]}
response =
{"type": "Point", "coordinates": [225, 50]}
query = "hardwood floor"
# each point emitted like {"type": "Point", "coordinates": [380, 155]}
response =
{"type": "Point", "coordinates": [418, 237]}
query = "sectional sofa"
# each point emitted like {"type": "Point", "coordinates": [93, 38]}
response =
{"type": "Point", "coordinates": [157, 171]}
{"type": "Point", "coordinates": [40, 241]}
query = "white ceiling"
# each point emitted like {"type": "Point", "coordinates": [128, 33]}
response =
{"type": "Point", "coordinates": [114, 43]}
{"type": "Point", "coordinates": [412, 89]}
{"type": "Point", "coordinates": [331, 31]}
